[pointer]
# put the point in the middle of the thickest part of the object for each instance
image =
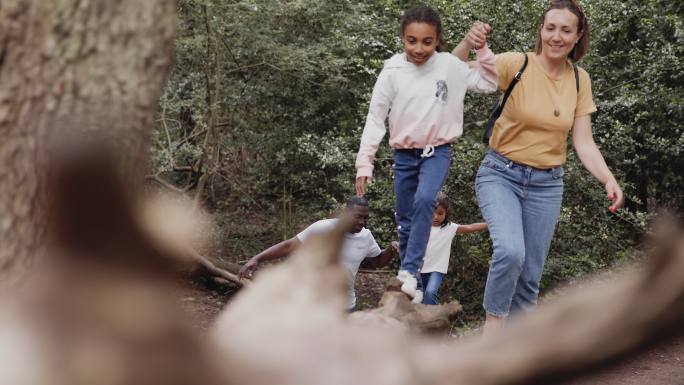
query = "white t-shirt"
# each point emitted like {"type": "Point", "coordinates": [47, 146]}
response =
{"type": "Point", "coordinates": [355, 248]}
{"type": "Point", "coordinates": [439, 248]}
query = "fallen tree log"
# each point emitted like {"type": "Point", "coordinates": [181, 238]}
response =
{"type": "Point", "coordinates": [289, 328]}
{"type": "Point", "coordinates": [395, 308]}
{"type": "Point", "coordinates": [100, 314]}
{"type": "Point", "coordinates": [588, 328]}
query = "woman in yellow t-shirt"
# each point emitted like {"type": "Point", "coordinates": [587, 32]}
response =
{"type": "Point", "coordinates": [519, 184]}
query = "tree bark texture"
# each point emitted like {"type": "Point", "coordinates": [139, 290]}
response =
{"type": "Point", "coordinates": [75, 67]}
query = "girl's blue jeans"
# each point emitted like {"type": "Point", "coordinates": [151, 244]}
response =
{"type": "Point", "coordinates": [432, 281]}
{"type": "Point", "coordinates": [417, 180]}
{"type": "Point", "coordinates": [521, 205]}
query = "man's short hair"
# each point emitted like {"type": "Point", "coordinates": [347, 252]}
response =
{"type": "Point", "coordinates": [356, 201]}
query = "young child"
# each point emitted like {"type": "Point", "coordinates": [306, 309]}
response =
{"type": "Point", "coordinates": [436, 259]}
{"type": "Point", "coordinates": [422, 89]}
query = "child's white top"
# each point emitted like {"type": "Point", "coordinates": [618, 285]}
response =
{"type": "Point", "coordinates": [439, 248]}
{"type": "Point", "coordinates": [425, 102]}
{"type": "Point", "coordinates": [355, 248]}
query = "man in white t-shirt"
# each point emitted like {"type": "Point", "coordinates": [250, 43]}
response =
{"type": "Point", "coordinates": [358, 246]}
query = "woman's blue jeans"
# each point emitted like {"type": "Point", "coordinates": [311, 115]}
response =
{"type": "Point", "coordinates": [521, 205]}
{"type": "Point", "coordinates": [417, 180]}
{"type": "Point", "coordinates": [432, 281]}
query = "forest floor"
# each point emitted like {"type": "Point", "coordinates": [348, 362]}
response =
{"type": "Point", "coordinates": [661, 365]}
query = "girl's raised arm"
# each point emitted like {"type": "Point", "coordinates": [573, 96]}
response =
{"type": "Point", "coordinates": [471, 228]}
{"type": "Point", "coordinates": [475, 38]}
{"type": "Point", "coordinates": [484, 77]}
{"type": "Point", "coordinates": [481, 76]}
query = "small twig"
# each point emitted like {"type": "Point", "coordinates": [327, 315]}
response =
{"type": "Point", "coordinates": [183, 169]}
{"type": "Point", "coordinates": [239, 188]}
{"type": "Point", "coordinates": [190, 137]}
{"type": "Point", "coordinates": [375, 271]}
{"type": "Point", "coordinates": [166, 184]}
{"type": "Point", "coordinates": [620, 85]}
{"type": "Point", "coordinates": [222, 281]}
{"type": "Point", "coordinates": [166, 127]}
{"type": "Point", "coordinates": [245, 67]}
{"type": "Point", "coordinates": [294, 74]}
{"type": "Point", "coordinates": [168, 135]}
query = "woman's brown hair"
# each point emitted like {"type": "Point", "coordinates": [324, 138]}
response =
{"type": "Point", "coordinates": [582, 27]}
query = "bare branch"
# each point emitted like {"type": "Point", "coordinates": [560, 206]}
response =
{"type": "Point", "coordinates": [215, 270]}
{"type": "Point", "coordinates": [238, 69]}
{"type": "Point", "coordinates": [376, 271]}
{"type": "Point", "coordinates": [183, 169]}
{"type": "Point", "coordinates": [190, 137]}
{"type": "Point", "coordinates": [164, 183]}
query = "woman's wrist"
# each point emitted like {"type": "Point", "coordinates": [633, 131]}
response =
{"type": "Point", "coordinates": [610, 179]}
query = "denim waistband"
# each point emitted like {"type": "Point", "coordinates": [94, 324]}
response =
{"type": "Point", "coordinates": [413, 150]}
{"type": "Point", "coordinates": [513, 163]}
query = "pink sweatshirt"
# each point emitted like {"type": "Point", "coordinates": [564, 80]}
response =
{"type": "Point", "coordinates": [425, 103]}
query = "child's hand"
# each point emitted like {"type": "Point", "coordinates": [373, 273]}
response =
{"type": "Point", "coordinates": [477, 36]}
{"type": "Point", "coordinates": [361, 185]}
{"type": "Point", "coordinates": [395, 246]}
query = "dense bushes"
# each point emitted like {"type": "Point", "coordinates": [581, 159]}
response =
{"type": "Point", "coordinates": [264, 110]}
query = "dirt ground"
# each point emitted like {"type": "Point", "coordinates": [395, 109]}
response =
{"type": "Point", "coordinates": [661, 365]}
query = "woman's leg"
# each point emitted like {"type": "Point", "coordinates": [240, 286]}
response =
{"type": "Point", "coordinates": [540, 210]}
{"type": "Point", "coordinates": [492, 324]}
{"type": "Point", "coordinates": [432, 282]}
{"type": "Point", "coordinates": [498, 195]}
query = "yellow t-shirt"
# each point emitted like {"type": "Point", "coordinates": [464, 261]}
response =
{"type": "Point", "coordinates": [528, 131]}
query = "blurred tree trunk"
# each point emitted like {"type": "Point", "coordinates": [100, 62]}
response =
{"type": "Point", "coordinates": [72, 66]}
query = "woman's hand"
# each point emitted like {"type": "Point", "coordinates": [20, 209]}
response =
{"type": "Point", "coordinates": [614, 194]}
{"type": "Point", "coordinates": [477, 36]}
{"type": "Point", "coordinates": [361, 185]}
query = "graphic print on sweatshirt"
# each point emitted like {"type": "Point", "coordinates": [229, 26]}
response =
{"type": "Point", "coordinates": [442, 91]}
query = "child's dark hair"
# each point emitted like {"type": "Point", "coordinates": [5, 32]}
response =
{"type": "Point", "coordinates": [356, 201]}
{"type": "Point", "coordinates": [424, 14]}
{"type": "Point", "coordinates": [443, 200]}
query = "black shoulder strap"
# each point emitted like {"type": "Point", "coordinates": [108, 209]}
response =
{"type": "Point", "coordinates": [574, 68]}
{"type": "Point", "coordinates": [499, 105]}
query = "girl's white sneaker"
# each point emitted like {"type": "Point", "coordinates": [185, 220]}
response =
{"type": "Point", "coordinates": [409, 283]}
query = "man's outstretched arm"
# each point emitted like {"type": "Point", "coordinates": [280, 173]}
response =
{"type": "Point", "coordinates": [382, 259]}
{"type": "Point", "coordinates": [274, 252]}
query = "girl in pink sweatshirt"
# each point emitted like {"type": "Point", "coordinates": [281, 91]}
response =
{"type": "Point", "coordinates": [422, 90]}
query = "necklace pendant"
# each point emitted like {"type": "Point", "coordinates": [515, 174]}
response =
{"type": "Point", "coordinates": [556, 113]}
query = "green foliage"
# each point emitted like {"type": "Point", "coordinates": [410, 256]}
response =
{"type": "Point", "coordinates": [638, 72]}
{"type": "Point", "coordinates": [267, 100]}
